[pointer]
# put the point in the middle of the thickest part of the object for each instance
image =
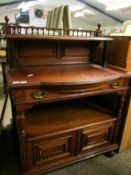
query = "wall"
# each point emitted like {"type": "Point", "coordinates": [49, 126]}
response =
{"type": "Point", "coordinates": [35, 21]}
{"type": "Point", "coordinates": [11, 14]}
{"type": "Point", "coordinates": [79, 23]}
{"type": "Point", "coordinates": [129, 141]}
{"type": "Point", "coordinates": [111, 29]}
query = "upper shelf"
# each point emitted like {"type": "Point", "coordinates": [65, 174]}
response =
{"type": "Point", "coordinates": [31, 32]}
{"type": "Point", "coordinates": [35, 37]}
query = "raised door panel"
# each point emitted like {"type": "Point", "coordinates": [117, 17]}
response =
{"type": "Point", "coordinates": [50, 151]}
{"type": "Point", "coordinates": [97, 137]}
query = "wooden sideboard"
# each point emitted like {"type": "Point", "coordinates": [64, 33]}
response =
{"type": "Point", "coordinates": [67, 102]}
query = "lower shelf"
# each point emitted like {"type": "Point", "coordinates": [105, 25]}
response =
{"type": "Point", "coordinates": [58, 134]}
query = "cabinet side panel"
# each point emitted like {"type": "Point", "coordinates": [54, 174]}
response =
{"type": "Point", "coordinates": [117, 53]}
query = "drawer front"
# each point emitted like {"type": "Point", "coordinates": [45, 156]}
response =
{"type": "Point", "coordinates": [97, 137]}
{"type": "Point", "coordinates": [52, 93]}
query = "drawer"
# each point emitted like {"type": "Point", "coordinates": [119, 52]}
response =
{"type": "Point", "coordinates": [53, 93]}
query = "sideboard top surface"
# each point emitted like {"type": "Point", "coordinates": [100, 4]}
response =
{"type": "Point", "coordinates": [63, 75]}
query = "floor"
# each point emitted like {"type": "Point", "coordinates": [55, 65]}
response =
{"type": "Point", "coordinates": [120, 164]}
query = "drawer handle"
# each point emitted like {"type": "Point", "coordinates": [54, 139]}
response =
{"type": "Point", "coordinates": [115, 85]}
{"type": "Point", "coordinates": [39, 95]}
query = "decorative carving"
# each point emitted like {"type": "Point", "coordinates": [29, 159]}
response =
{"type": "Point", "coordinates": [98, 31]}
{"type": "Point", "coordinates": [6, 20]}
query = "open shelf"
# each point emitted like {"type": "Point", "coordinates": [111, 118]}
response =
{"type": "Point", "coordinates": [52, 118]}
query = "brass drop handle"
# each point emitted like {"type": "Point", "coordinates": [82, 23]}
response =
{"type": "Point", "coordinates": [115, 85]}
{"type": "Point", "coordinates": [39, 95]}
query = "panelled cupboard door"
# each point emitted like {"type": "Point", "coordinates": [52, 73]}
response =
{"type": "Point", "coordinates": [50, 150]}
{"type": "Point", "coordinates": [95, 138]}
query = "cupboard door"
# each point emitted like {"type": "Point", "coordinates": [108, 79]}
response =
{"type": "Point", "coordinates": [96, 137]}
{"type": "Point", "coordinates": [53, 149]}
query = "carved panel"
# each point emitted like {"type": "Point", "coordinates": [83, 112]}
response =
{"type": "Point", "coordinates": [53, 149]}
{"type": "Point", "coordinates": [97, 136]}
{"type": "Point", "coordinates": [76, 53]}
{"type": "Point", "coordinates": [36, 53]}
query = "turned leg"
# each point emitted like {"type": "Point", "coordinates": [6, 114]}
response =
{"type": "Point", "coordinates": [119, 116]}
{"type": "Point", "coordinates": [110, 154]}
